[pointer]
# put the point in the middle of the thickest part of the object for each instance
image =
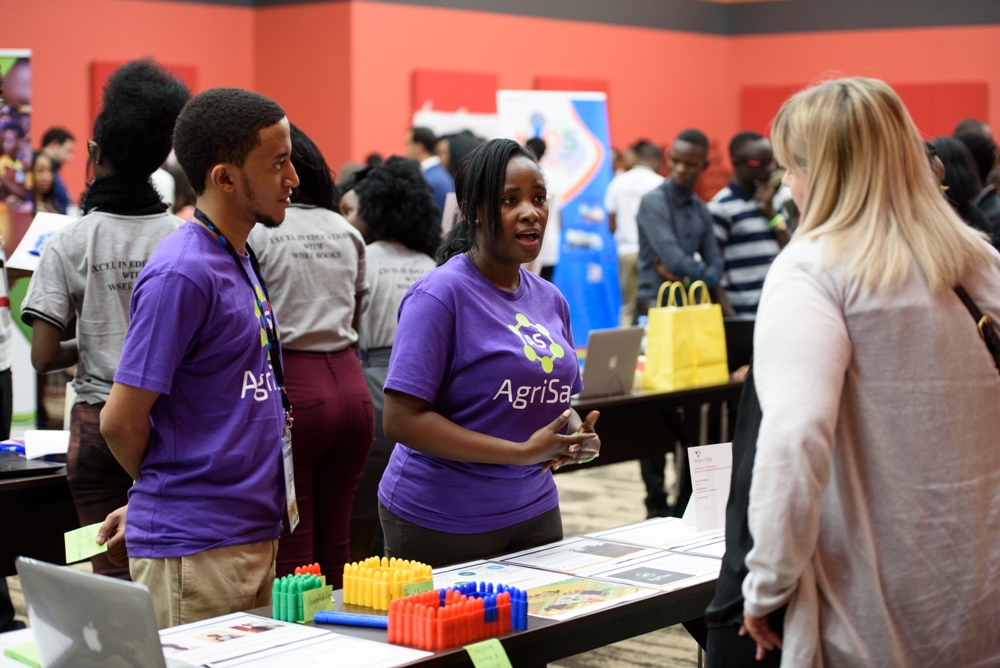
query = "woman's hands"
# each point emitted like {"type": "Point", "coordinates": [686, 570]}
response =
{"type": "Point", "coordinates": [413, 422]}
{"type": "Point", "coordinates": [556, 450]}
{"type": "Point", "coordinates": [762, 633]}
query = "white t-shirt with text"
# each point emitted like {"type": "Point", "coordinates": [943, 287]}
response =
{"type": "Point", "coordinates": [392, 268]}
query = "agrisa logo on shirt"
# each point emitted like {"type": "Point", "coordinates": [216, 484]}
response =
{"type": "Point", "coordinates": [550, 392]}
{"type": "Point", "coordinates": [538, 345]}
{"type": "Point", "coordinates": [258, 388]}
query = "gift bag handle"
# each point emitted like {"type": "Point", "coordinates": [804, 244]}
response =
{"type": "Point", "coordinates": [672, 289]}
{"type": "Point", "coordinates": [705, 298]}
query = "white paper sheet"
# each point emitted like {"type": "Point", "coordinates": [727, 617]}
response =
{"type": "Point", "coordinates": [550, 595]}
{"type": "Point", "coordinates": [662, 532]}
{"type": "Point", "coordinates": [231, 636]}
{"type": "Point", "coordinates": [29, 251]}
{"type": "Point", "coordinates": [41, 442]}
{"type": "Point", "coordinates": [330, 651]}
{"type": "Point", "coordinates": [667, 572]}
{"type": "Point", "coordinates": [579, 556]}
{"type": "Point", "coordinates": [449, 214]}
{"type": "Point", "coordinates": [711, 469]}
{"type": "Point", "coordinates": [712, 548]}
{"type": "Point", "coordinates": [511, 575]}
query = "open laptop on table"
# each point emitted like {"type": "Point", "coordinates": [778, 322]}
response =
{"type": "Point", "coordinates": [13, 465]}
{"type": "Point", "coordinates": [611, 358]}
{"type": "Point", "coordinates": [82, 620]}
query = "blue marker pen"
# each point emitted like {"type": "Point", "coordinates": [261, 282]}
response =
{"type": "Point", "coordinates": [351, 619]}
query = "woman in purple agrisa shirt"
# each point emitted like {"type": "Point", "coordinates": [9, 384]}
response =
{"type": "Point", "coordinates": [482, 370]}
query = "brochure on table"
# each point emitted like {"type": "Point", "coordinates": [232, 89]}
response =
{"type": "Point", "coordinates": [42, 442]}
{"type": "Point", "coordinates": [663, 533]}
{"type": "Point", "coordinates": [668, 571]}
{"type": "Point", "coordinates": [579, 556]}
{"type": "Point", "coordinates": [331, 650]}
{"type": "Point", "coordinates": [714, 547]}
{"type": "Point", "coordinates": [29, 251]}
{"type": "Point", "coordinates": [230, 636]}
{"type": "Point", "coordinates": [711, 469]}
{"type": "Point", "coordinates": [551, 595]}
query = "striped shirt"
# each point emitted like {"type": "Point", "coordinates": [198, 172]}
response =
{"type": "Point", "coordinates": [747, 243]}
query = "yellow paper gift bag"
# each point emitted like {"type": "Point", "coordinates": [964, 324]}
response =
{"type": "Point", "coordinates": [669, 353]}
{"type": "Point", "coordinates": [708, 337]}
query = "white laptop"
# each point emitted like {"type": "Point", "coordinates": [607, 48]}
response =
{"type": "Point", "coordinates": [85, 620]}
{"type": "Point", "coordinates": [611, 358]}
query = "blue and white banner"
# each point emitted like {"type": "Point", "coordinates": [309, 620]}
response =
{"type": "Point", "coordinates": [577, 166]}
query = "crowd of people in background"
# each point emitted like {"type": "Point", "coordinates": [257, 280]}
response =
{"type": "Point", "coordinates": [385, 313]}
{"type": "Point", "coordinates": [752, 218]}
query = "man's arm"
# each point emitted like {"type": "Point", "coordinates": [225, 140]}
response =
{"type": "Point", "coordinates": [720, 297]}
{"type": "Point", "coordinates": [125, 425]}
{"type": "Point", "coordinates": [612, 221]}
{"type": "Point", "coordinates": [654, 220]}
{"type": "Point", "coordinates": [48, 351]}
{"type": "Point", "coordinates": [708, 247]}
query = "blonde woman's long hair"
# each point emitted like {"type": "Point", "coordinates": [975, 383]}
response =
{"type": "Point", "coordinates": [869, 189]}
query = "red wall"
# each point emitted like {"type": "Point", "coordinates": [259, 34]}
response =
{"type": "Point", "coordinates": [303, 61]}
{"type": "Point", "coordinates": [65, 36]}
{"type": "Point", "coordinates": [659, 81]}
{"type": "Point", "coordinates": [344, 71]}
{"type": "Point", "coordinates": [903, 56]}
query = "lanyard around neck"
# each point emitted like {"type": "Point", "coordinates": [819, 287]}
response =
{"type": "Point", "coordinates": [263, 307]}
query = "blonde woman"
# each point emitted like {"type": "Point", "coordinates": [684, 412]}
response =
{"type": "Point", "coordinates": [875, 501]}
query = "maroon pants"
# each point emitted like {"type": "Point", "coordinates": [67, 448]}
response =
{"type": "Point", "coordinates": [96, 480]}
{"type": "Point", "coordinates": [333, 431]}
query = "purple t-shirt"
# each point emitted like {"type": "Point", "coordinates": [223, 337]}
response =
{"type": "Point", "coordinates": [213, 474]}
{"type": "Point", "coordinates": [496, 362]}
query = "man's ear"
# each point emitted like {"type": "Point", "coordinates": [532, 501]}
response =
{"type": "Point", "coordinates": [222, 177]}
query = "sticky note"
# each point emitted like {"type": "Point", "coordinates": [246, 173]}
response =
{"type": "Point", "coordinates": [80, 543]}
{"type": "Point", "coordinates": [26, 654]}
{"type": "Point", "coordinates": [488, 654]}
{"type": "Point", "coordinates": [417, 587]}
{"type": "Point", "coordinates": [315, 600]}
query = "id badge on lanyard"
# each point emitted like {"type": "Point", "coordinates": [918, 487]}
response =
{"type": "Point", "coordinates": [274, 353]}
{"type": "Point", "coordinates": [291, 504]}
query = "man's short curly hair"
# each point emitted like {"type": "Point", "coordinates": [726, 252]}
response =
{"type": "Point", "coordinates": [221, 125]}
{"type": "Point", "coordinates": [395, 201]}
{"type": "Point", "coordinates": [133, 130]}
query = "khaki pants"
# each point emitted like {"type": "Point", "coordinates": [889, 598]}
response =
{"type": "Point", "coordinates": [628, 278]}
{"type": "Point", "coordinates": [208, 584]}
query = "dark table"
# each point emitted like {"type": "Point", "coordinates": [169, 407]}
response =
{"type": "Point", "coordinates": [548, 640]}
{"type": "Point", "coordinates": [645, 423]}
{"type": "Point", "coordinates": [35, 512]}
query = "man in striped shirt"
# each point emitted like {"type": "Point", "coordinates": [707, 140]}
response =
{"type": "Point", "coordinates": [746, 227]}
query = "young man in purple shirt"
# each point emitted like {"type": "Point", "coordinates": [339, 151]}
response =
{"type": "Point", "coordinates": [195, 415]}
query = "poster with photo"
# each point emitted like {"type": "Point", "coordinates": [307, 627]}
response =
{"type": "Point", "coordinates": [15, 145]}
{"type": "Point", "coordinates": [550, 594]}
{"type": "Point", "coordinates": [577, 170]}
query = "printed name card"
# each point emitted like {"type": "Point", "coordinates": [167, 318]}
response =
{"type": "Point", "coordinates": [418, 587]}
{"type": "Point", "coordinates": [488, 654]}
{"type": "Point", "coordinates": [711, 469]}
{"type": "Point", "coordinates": [315, 600]}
